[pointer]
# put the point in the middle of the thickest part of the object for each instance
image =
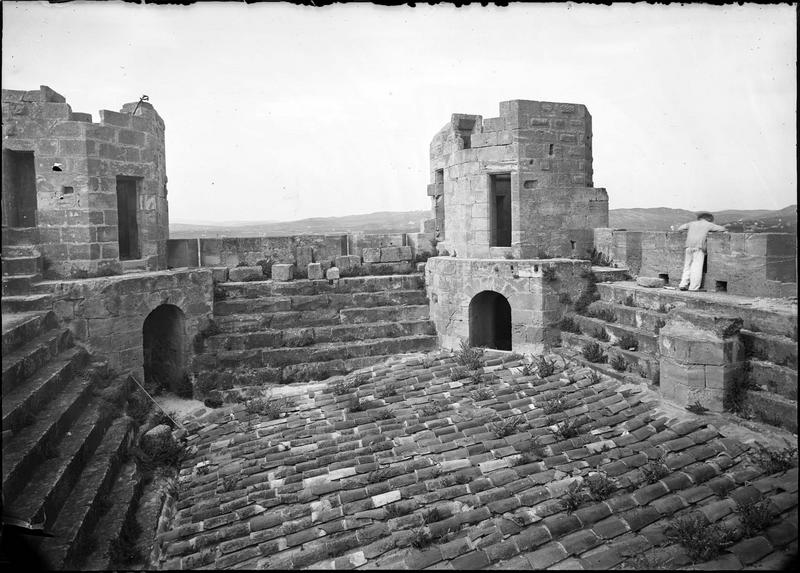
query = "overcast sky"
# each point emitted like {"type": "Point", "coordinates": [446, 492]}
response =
{"type": "Point", "coordinates": [279, 112]}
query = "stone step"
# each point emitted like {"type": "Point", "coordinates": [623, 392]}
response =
{"type": "Point", "coordinates": [56, 476]}
{"type": "Point", "coordinates": [321, 302]}
{"type": "Point", "coordinates": [20, 236]}
{"type": "Point", "coordinates": [26, 303]}
{"type": "Point", "coordinates": [21, 265]}
{"type": "Point", "coordinates": [780, 350]}
{"type": "Point", "coordinates": [240, 323]}
{"type": "Point", "coordinates": [296, 337]}
{"type": "Point", "coordinates": [640, 363]}
{"type": "Point", "coordinates": [110, 526]}
{"type": "Point", "coordinates": [24, 362]}
{"type": "Point", "coordinates": [305, 287]}
{"type": "Point", "coordinates": [24, 449]}
{"type": "Point", "coordinates": [780, 380]}
{"type": "Point", "coordinates": [773, 409]}
{"type": "Point", "coordinates": [83, 507]}
{"type": "Point", "coordinates": [648, 342]}
{"type": "Point", "coordinates": [641, 318]}
{"type": "Point", "coordinates": [32, 394]}
{"type": "Point", "coordinates": [574, 354]}
{"type": "Point", "coordinates": [21, 328]}
{"type": "Point", "coordinates": [19, 284]}
{"type": "Point", "coordinates": [611, 274]}
{"type": "Point", "coordinates": [771, 316]}
{"type": "Point", "coordinates": [280, 357]}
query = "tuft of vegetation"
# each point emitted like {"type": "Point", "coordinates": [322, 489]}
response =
{"type": "Point", "coordinates": [600, 486]}
{"type": "Point", "coordinates": [421, 538]}
{"type": "Point", "coordinates": [601, 335]}
{"type": "Point", "coordinates": [774, 461]}
{"type": "Point", "coordinates": [592, 352]}
{"type": "Point", "coordinates": [482, 393]}
{"type": "Point", "coordinates": [629, 301]}
{"type": "Point", "coordinates": [228, 483]}
{"type": "Point", "coordinates": [549, 274]}
{"type": "Point", "coordinates": [588, 295]}
{"type": "Point", "coordinates": [697, 408]}
{"type": "Point", "coordinates": [553, 405]}
{"type": "Point", "coordinates": [357, 404]}
{"type": "Point", "coordinates": [599, 259]}
{"type": "Point", "coordinates": [458, 372]}
{"type": "Point", "coordinates": [660, 323]}
{"type": "Point", "coordinates": [545, 367]}
{"type": "Point", "coordinates": [507, 426]}
{"type": "Point", "coordinates": [628, 342]}
{"type": "Point", "coordinates": [702, 541]}
{"type": "Point", "coordinates": [398, 510]}
{"type": "Point", "coordinates": [564, 298]}
{"type": "Point", "coordinates": [755, 517]}
{"type": "Point", "coordinates": [342, 387]}
{"type": "Point", "coordinates": [434, 408]}
{"type": "Point", "coordinates": [384, 414]}
{"type": "Point", "coordinates": [573, 498]}
{"type": "Point", "coordinates": [476, 378]}
{"type": "Point", "coordinates": [270, 406]}
{"type": "Point", "coordinates": [470, 357]}
{"type": "Point", "coordinates": [655, 470]}
{"type": "Point", "coordinates": [569, 324]}
{"type": "Point", "coordinates": [568, 429]}
{"type": "Point", "coordinates": [183, 387]}
{"type": "Point", "coordinates": [618, 363]}
{"type": "Point", "coordinates": [594, 377]}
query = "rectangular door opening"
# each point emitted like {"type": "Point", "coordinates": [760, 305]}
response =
{"type": "Point", "coordinates": [19, 189]}
{"type": "Point", "coordinates": [127, 201]}
{"type": "Point", "coordinates": [500, 210]}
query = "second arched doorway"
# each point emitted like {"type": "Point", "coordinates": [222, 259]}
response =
{"type": "Point", "coordinates": [163, 338]}
{"type": "Point", "coordinates": [490, 321]}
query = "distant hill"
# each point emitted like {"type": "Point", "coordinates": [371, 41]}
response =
{"type": "Point", "coordinates": [652, 219]}
{"type": "Point", "coordinates": [380, 222]}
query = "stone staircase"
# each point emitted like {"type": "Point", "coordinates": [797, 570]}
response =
{"type": "Point", "coordinates": [22, 268]}
{"type": "Point", "coordinates": [769, 336]}
{"type": "Point", "coordinates": [312, 329]}
{"type": "Point", "coordinates": [65, 441]}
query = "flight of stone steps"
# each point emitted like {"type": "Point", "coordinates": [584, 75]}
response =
{"type": "Point", "coordinates": [65, 443]}
{"type": "Point", "coordinates": [305, 330]}
{"type": "Point", "coordinates": [21, 268]}
{"type": "Point", "coordinates": [769, 336]}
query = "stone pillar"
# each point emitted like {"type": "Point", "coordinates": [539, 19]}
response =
{"type": "Point", "coordinates": [701, 358]}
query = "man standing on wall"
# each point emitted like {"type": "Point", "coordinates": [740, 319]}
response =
{"type": "Point", "coordinates": [695, 253]}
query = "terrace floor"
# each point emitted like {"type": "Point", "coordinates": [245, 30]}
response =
{"type": "Point", "coordinates": [409, 464]}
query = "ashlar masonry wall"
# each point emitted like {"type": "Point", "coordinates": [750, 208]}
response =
{"type": "Point", "coordinates": [545, 150]}
{"type": "Point", "coordinates": [77, 163]}
{"type": "Point", "coordinates": [747, 264]}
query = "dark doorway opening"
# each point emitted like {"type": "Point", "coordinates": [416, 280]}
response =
{"type": "Point", "coordinates": [127, 201]}
{"type": "Point", "coordinates": [500, 207]}
{"type": "Point", "coordinates": [664, 276]}
{"type": "Point", "coordinates": [19, 189]}
{"type": "Point", "coordinates": [163, 348]}
{"type": "Point", "coordinates": [490, 321]}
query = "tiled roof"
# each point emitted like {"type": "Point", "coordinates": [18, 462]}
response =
{"type": "Point", "coordinates": [403, 467]}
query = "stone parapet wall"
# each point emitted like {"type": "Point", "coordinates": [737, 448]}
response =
{"type": "Point", "coordinates": [299, 250]}
{"type": "Point", "coordinates": [77, 163]}
{"type": "Point", "coordinates": [748, 264]}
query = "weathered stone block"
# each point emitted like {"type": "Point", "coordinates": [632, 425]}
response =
{"type": "Point", "coordinates": [676, 373]}
{"type": "Point", "coordinates": [390, 254]}
{"type": "Point", "coordinates": [315, 271]}
{"type": "Point", "coordinates": [282, 272]}
{"type": "Point", "coordinates": [239, 274]}
{"type": "Point", "coordinates": [347, 262]}
{"type": "Point", "coordinates": [219, 274]}
{"type": "Point", "coordinates": [332, 273]}
{"type": "Point", "coordinates": [650, 282]}
{"type": "Point", "coordinates": [724, 376]}
{"type": "Point", "coordinates": [371, 255]}
{"type": "Point", "coordinates": [406, 253]}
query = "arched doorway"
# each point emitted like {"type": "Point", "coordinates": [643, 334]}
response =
{"type": "Point", "coordinates": [163, 345]}
{"type": "Point", "coordinates": [490, 321]}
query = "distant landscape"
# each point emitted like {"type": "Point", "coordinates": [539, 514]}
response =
{"type": "Point", "coordinates": [652, 219]}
